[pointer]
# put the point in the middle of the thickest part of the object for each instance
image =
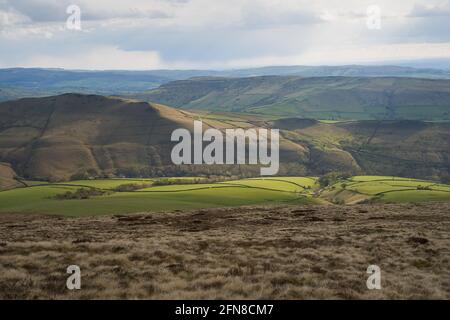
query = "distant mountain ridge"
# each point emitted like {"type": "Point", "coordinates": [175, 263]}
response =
{"type": "Point", "coordinates": [18, 83]}
{"type": "Point", "coordinates": [332, 98]}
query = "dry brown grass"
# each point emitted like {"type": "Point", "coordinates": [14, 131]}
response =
{"type": "Point", "coordinates": [234, 253]}
{"type": "Point", "coordinates": [7, 175]}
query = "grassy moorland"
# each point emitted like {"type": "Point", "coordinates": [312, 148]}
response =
{"type": "Point", "coordinates": [120, 196]}
{"type": "Point", "coordinates": [253, 252]}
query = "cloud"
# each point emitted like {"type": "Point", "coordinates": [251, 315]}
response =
{"type": "Point", "coordinates": [354, 54]}
{"type": "Point", "coordinates": [425, 11]}
{"type": "Point", "coordinates": [55, 10]}
{"type": "Point", "coordinates": [9, 16]}
{"type": "Point", "coordinates": [96, 58]}
{"type": "Point", "coordinates": [218, 33]}
{"type": "Point", "coordinates": [278, 13]}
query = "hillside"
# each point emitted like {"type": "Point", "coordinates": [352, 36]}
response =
{"type": "Point", "coordinates": [7, 176]}
{"type": "Point", "coordinates": [62, 136]}
{"type": "Point", "coordinates": [76, 136]}
{"type": "Point", "coordinates": [400, 148]}
{"type": "Point", "coordinates": [16, 83]}
{"type": "Point", "coordinates": [19, 83]}
{"type": "Point", "coordinates": [340, 71]}
{"type": "Point", "coordinates": [333, 98]}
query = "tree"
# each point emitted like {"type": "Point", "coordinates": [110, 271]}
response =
{"type": "Point", "coordinates": [332, 177]}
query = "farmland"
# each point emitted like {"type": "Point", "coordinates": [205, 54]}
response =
{"type": "Point", "coordinates": [40, 198]}
{"type": "Point", "coordinates": [387, 189]}
{"type": "Point", "coordinates": [151, 195]}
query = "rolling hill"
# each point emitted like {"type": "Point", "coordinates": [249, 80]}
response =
{"type": "Point", "coordinates": [400, 148]}
{"type": "Point", "coordinates": [16, 83]}
{"type": "Point", "coordinates": [72, 135]}
{"type": "Point", "coordinates": [333, 98]}
{"type": "Point", "coordinates": [75, 136]}
{"type": "Point", "coordinates": [64, 136]}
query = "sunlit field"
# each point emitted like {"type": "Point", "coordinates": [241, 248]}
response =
{"type": "Point", "coordinates": [146, 195]}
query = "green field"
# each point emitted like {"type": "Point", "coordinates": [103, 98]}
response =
{"type": "Point", "coordinates": [40, 197]}
{"type": "Point", "coordinates": [386, 189]}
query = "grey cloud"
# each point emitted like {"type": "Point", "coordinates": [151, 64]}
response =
{"type": "Point", "coordinates": [215, 44]}
{"type": "Point", "coordinates": [262, 16]}
{"type": "Point", "coordinates": [262, 32]}
{"type": "Point", "coordinates": [433, 29]}
{"type": "Point", "coordinates": [52, 10]}
{"type": "Point", "coordinates": [421, 11]}
{"type": "Point", "coordinates": [39, 11]}
{"type": "Point", "coordinates": [176, 44]}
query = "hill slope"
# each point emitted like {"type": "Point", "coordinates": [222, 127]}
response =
{"type": "Point", "coordinates": [7, 177]}
{"type": "Point", "coordinates": [16, 83]}
{"type": "Point", "coordinates": [76, 136]}
{"type": "Point", "coordinates": [401, 148]}
{"type": "Point", "coordinates": [62, 136]}
{"type": "Point", "coordinates": [334, 98]}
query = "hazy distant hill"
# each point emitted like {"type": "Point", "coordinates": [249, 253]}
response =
{"type": "Point", "coordinates": [340, 71]}
{"type": "Point", "coordinates": [76, 136]}
{"type": "Point", "coordinates": [18, 83]}
{"type": "Point", "coordinates": [347, 98]}
{"type": "Point", "coordinates": [23, 82]}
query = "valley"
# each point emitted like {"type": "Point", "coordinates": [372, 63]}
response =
{"type": "Point", "coordinates": [73, 136]}
{"type": "Point", "coordinates": [363, 179]}
{"type": "Point", "coordinates": [122, 196]}
{"type": "Point", "coordinates": [224, 154]}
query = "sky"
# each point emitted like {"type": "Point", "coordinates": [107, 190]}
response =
{"type": "Point", "coordinates": [220, 34]}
